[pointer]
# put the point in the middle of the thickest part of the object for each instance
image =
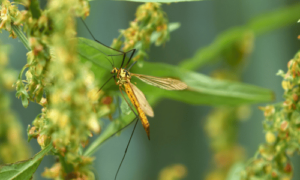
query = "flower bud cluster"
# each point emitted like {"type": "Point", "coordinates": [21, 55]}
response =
{"type": "Point", "coordinates": [222, 122]}
{"type": "Point", "coordinates": [70, 115]}
{"type": "Point", "coordinates": [58, 81]}
{"type": "Point", "coordinates": [222, 127]}
{"type": "Point", "coordinates": [281, 124]}
{"type": "Point", "coordinates": [150, 18]}
{"type": "Point", "coordinates": [8, 12]}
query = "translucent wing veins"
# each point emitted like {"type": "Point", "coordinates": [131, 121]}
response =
{"type": "Point", "coordinates": [145, 106]}
{"type": "Point", "coordinates": [163, 83]}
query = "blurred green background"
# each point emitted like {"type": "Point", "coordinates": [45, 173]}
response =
{"type": "Point", "coordinates": [177, 134]}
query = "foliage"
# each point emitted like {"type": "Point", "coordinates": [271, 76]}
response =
{"type": "Point", "coordinates": [23, 170]}
{"type": "Point", "coordinates": [150, 25]}
{"type": "Point", "coordinates": [66, 120]}
{"type": "Point", "coordinates": [202, 89]}
{"type": "Point", "coordinates": [63, 74]}
{"type": "Point", "coordinates": [238, 39]}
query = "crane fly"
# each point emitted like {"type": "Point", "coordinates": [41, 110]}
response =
{"type": "Point", "coordinates": [122, 77]}
{"type": "Point", "coordinates": [137, 97]}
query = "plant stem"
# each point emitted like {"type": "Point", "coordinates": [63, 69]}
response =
{"type": "Point", "coordinates": [67, 168]}
{"type": "Point", "coordinates": [21, 36]}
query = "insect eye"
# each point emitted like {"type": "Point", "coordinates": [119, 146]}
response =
{"type": "Point", "coordinates": [113, 71]}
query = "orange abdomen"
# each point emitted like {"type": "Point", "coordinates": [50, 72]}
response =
{"type": "Point", "coordinates": [136, 104]}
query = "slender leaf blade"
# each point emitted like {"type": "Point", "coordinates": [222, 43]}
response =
{"type": "Point", "coordinates": [203, 90]}
{"type": "Point", "coordinates": [23, 170]}
{"type": "Point", "coordinates": [258, 26]}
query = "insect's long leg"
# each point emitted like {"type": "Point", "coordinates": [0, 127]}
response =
{"type": "Point", "coordinates": [127, 102]}
{"type": "Point", "coordinates": [121, 52]}
{"type": "Point", "coordinates": [124, 55]}
{"type": "Point", "coordinates": [106, 83]}
{"type": "Point", "coordinates": [137, 119]}
{"type": "Point", "coordinates": [131, 133]}
{"type": "Point", "coordinates": [120, 130]}
{"type": "Point", "coordinates": [133, 51]}
{"type": "Point", "coordinates": [96, 39]}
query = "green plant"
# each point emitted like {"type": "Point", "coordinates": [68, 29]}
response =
{"type": "Point", "coordinates": [281, 125]}
{"type": "Point", "coordinates": [63, 74]}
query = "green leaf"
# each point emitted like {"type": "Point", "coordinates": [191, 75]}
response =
{"type": "Point", "coordinates": [97, 53]}
{"type": "Point", "coordinates": [23, 170]}
{"type": "Point", "coordinates": [274, 20]}
{"type": "Point", "coordinates": [258, 26]}
{"type": "Point", "coordinates": [212, 52]}
{"type": "Point", "coordinates": [202, 90]}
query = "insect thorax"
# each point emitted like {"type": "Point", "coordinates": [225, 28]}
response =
{"type": "Point", "coordinates": [124, 76]}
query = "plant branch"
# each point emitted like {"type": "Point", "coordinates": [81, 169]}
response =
{"type": "Point", "coordinates": [258, 26]}
{"type": "Point", "coordinates": [21, 36]}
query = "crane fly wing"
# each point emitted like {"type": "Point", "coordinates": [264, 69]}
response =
{"type": "Point", "coordinates": [163, 83]}
{"type": "Point", "coordinates": [145, 106]}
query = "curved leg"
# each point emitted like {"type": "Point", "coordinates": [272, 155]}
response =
{"type": "Point", "coordinates": [96, 39]}
{"type": "Point", "coordinates": [126, 148]}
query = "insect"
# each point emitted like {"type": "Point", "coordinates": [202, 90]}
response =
{"type": "Point", "coordinates": [122, 77]}
{"type": "Point", "coordinates": [137, 97]}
